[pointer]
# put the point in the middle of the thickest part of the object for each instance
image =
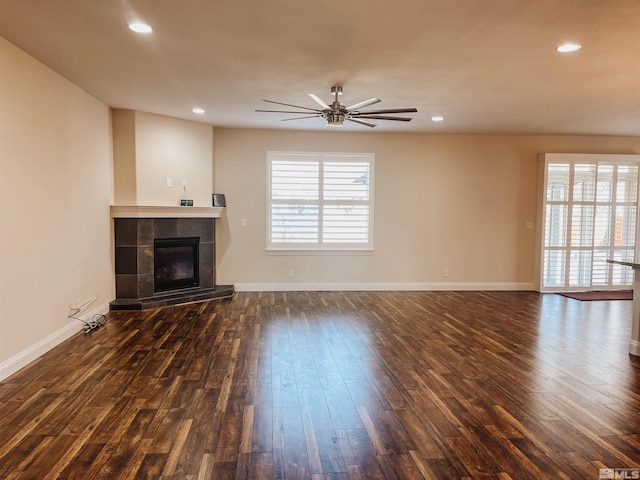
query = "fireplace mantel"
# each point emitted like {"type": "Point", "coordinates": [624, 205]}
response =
{"type": "Point", "coordinates": [167, 211]}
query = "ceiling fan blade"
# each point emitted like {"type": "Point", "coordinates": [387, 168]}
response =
{"type": "Point", "coordinates": [300, 118]}
{"type": "Point", "coordinates": [289, 105]}
{"type": "Point", "coordinates": [282, 111]}
{"type": "Point", "coordinates": [391, 110]}
{"type": "Point", "coordinates": [366, 103]}
{"type": "Point", "coordinates": [383, 117]}
{"type": "Point", "coordinates": [362, 122]}
{"type": "Point", "coordinates": [320, 101]}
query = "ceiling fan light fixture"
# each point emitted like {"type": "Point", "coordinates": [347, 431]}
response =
{"type": "Point", "coordinates": [335, 120]}
{"type": "Point", "coordinates": [336, 90]}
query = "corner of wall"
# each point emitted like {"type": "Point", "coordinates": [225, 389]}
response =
{"type": "Point", "coordinates": [213, 159]}
{"type": "Point", "coordinates": [123, 138]}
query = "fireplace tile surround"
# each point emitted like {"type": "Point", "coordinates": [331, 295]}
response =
{"type": "Point", "coordinates": [134, 250]}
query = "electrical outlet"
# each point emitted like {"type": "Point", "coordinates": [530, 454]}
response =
{"type": "Point", "coordinates": [184, 182]}
{"type": "Point", "coordinates": [243, 222]}
{"type": "Point", "coordinates": [445, 273]}
{"type": "Point", "coordinates": [291, 273]}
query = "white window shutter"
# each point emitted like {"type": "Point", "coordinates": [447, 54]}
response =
{"type": "Point", "coordinates": [319, 201]}
{"type": "Point", "coordinates": [590, 212]}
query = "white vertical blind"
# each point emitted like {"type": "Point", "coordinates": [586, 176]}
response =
{"type": "Point", "coordinates": [590, 212]}
{"type": "Point", "coordinates": [319, 201]}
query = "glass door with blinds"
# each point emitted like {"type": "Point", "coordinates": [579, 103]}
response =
{"type": "Point", "coordinates": [589, 216]}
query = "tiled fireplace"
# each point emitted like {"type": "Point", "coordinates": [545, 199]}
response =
{"type": "Point", "coordinates": [141, 233]}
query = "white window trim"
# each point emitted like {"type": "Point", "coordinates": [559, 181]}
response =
{"type": "Point", "coordinates": [320, 249]}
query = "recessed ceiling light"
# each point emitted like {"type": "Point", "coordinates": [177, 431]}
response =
{"type": "Point", "coordinates": [568, 47]}
{"type": "Point", "coordinates": [199, 111]}
{"type": "Point", "coordinates": [437, 118]}
{"type": "Point", "coordinates": [140, 28]}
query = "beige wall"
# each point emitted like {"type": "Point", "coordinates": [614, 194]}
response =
{"type": "Point", "coordinates": [150, 148]}
{"type": "Point", "coordinates": [455, 202]}
{"type": "Point", "coordinates": [55, 191]}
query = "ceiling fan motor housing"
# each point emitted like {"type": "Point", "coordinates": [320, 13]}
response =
{"type": "Point", "coordinates": [335, 119]}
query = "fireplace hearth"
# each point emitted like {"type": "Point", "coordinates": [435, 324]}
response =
{"type": "Point", "coordinates": [165, 261]}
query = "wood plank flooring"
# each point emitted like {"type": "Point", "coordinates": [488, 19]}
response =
{"type": "Point", "coordinates": [333, 385]}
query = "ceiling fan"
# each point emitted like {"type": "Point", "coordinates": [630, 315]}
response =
{"type": "Point", "coordinates": [336, 113]}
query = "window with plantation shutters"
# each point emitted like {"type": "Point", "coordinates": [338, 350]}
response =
{"type": "Point", "coordinates": [319, 201]}
{"type": "Point", "coordinates": [590, 216]}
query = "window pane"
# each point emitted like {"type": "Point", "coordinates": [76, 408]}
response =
{"type": "Point", "coordinates": [556, 226]}
{"type": "Point", "coordinates": [580, 268]}
{"type": "Point", "coordinates": [558, 182]}
{"type": "Point", "coordinates": [582, 225]}
{"type": "Point", "coordinates": [345, 224]}
{"type": "Point", "coordinates": [600, 269]}
{"type": "Point", "coordinates": [602, 226]}
{"type": "Point", "coordinates": [294, 180]}
{"type": "Point", "coordinates": [554, 268]}
{"type": "Point", "coordinates": [605, 183]}
{"type": "Point", "coordinates": [346, 180]}
{"type": "Point", "coordinates": [294, 223]}
{"type": "Point", "coordinates": [584, 182]}
{"type": "Point", "coordinates": [625, 227]}
{"type": "Point", "coordinates": [627, 188]}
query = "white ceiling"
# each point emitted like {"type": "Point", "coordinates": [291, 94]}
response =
{"type": "Point", "coordinates": [487, 66]}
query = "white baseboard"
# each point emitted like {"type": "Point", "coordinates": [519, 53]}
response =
{"type": "Point", "coordinates": [314, 287]}
{"type": "Point", "coordinates": [634, 348]}
{"type": "Point", "coordinates": [28, 355]}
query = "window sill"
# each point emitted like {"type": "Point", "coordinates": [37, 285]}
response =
{"type": "Point", "coordinates": [303, 252]}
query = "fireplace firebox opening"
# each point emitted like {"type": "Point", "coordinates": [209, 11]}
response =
{"type": "Point", "coordinates": [176, 263]}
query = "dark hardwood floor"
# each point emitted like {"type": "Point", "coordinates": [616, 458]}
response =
{"type": "Point", "coordinates": [334, 385]}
